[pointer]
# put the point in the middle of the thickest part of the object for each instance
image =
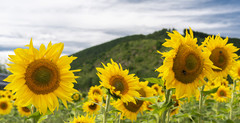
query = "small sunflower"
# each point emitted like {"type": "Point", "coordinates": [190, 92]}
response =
{"type": "Point", "coordinates": [159, 91]}
{"type": "Point", "coordinates": [91, 107]}
{"type": "Point", "coordinates": [222, 54]}
{"type": "Point", "coordinates": [235, 72]}
{"type": "Point", "coordinates": [95, 90]}
{"type": "Point", "coordinates": [24, 111]}
{"type": "Point", "coordinates": [119, 82]}
{"type": "Point", "coordinates": [5, 106]}
{"type": "Point", "coordinates": [41, 76]}
{"type": "Point", "coordinates": [83, 119]}
{"type": "Point", "coordinates": [185, 65]}
{"type": "Point", "coordinates": [130, 109]}
{"type": "Point", "coordinates": [223, 94]}
{"type": "Point", "coordinates": [76, 97]}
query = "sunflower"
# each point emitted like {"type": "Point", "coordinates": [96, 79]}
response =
{"type": "Point", "coordinates": [95, 90]}
{"type": "Point", "coordinates": [185, 65]}
{"type": "Point", "coordinates": [235, 72]}
{"type": "Point", "coordinates": [76, 97]}
{"type": "Point", "coordinates": [176, 105]}
{"type": "Point", "coordinates": [222, 54]}
{"type": "Point", "coordinates": [119, 82]}
{"type": "Point", "coordinates": [41, 76]}
{"type": "Point", "coordinates": [91, 107]}
{"type": "Point", "coordinates": [5, 106]}
{"type": "Point", "coordinates": [223, 94]}
{"type": "Point", "coordinates": [130, 109]}
{"type": "Point", "coordinates": [24, 111]}
{"type": "Point", "coordinates": [83, 119]}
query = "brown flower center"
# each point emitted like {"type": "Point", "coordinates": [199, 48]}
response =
{"type": "Point", "coordinates": [4, 105]}
{"type": "Point", "coordinates": [119, 83]}
{"type": "Point", "coordinates": [219, 57]}
{"type": "Point", "coordinates": [222, 93]}
{"type": "Point", "coordinates": [42, 76]}
{"type": "Point", "coordinates": [187, 64]}
{"type": "Point", "coordinates": [93, 106]}
{"type": "Point", "coordinates": [26, 109]}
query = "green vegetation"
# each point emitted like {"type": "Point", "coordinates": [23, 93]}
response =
{"type": "Point", "coordinates": [138, 53]}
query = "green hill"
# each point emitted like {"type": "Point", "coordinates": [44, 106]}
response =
{"type": "Point", "coordinates": [138, 53]}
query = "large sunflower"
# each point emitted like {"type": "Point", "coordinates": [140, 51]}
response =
{"type": "Point", "coordinates": [83, 119]}
{"type": "Point", "coordinates": [5, 106]}
{"type": "Point", "coordinates": [24, 111]}
{"type": "Point", "coordinates": [185, 65]}
{"type": "Point", "coordinates": [130, 109]}
{"type": "Point", "coordinates": [223, 94]}
{"type": "Point", "coordinates": [222, 54]}
{"type": "Point", "coordinates": [119, 82]}
{"type": "Point", "coordinates": [235, 72]}
{"type": "Point", "coordinates": [40, 77]}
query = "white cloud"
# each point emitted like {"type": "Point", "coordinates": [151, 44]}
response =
{"type": "Point", "coordinates": [93, 22]}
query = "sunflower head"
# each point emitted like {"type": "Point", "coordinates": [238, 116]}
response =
{"type": "Point", "coordinates": [24, 111]}
{"type": "Point", "coordinates": [91, 107]}
{"type": "Point", "coordinates": [83, 119]}
{"type": "Point", "coordinates": [40, 77]}
{"type": "Point", "coordinates": [119, 82]}
{"type": "Point", "coordinates": [185, 65]}
{"type": "Point", "coordinates": [223, 94]}
{"type": "Point", "coordinates": [222, 54]}
{"type": "Point", "coordinates": [95, 90]}
{"type": "Point", "coordinates": [5, 106]}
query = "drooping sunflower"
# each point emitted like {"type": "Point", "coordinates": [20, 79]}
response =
{"type": "Point", "coordinates": [185, 65]}
{"type": "Point", "coordinates": [96, 99]}
{"type": "Point", "coordinates": [76, 97]}
{"type": "Point", "coordinates": [95, 90]}
{"type": "Point", "coordinates": [83, 119]}
{"type": "Point", "coordinates": [130, 109]}
{"type": "Point", "coordinates": [24, 111]}
{"type": "Point", "coordinates": [119, 82]}
{"type": "Point", "coordinates": [222, 54]}
{"type": "Point", "coordinates": [91, 107]}
{"type": "Point", "coordinates": [40, 77]}
{"type": "Point", "coordinates": [5, 106]}
{"type": "Point", "coordinates": [235, 72]}
{"type": "Point", "coordinates": [223, 94]}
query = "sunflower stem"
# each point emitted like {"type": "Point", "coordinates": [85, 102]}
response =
{"type": "Point", "coordinates": [200, 104]}
{"type": "Point", "coordinates": [232, 99]}
{"type": "Point", "coordinates": [167, 98]}
{"type": "Point", "coordinates": [34, 119]}
{"type": "Point", "coordinates": [106, 108]}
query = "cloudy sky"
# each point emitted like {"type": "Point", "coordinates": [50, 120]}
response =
{"type": "Point", "coordinates": [80, 24]}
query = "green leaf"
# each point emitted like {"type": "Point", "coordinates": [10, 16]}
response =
{"type": "Point", "coordinates": [155, 80]}
{"type": "Point", "coordinates": [214, 90]}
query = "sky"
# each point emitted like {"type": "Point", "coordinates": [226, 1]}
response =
{"type": "Point", "coordinates": [80, 24]}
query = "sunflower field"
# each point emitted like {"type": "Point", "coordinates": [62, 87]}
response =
{"type": "Point", "coordinates": [195, 83]}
